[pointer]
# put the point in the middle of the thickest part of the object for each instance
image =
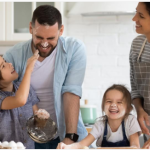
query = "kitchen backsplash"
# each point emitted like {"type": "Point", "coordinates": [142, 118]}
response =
{"type": "Point", "coordinates": [108, 40]}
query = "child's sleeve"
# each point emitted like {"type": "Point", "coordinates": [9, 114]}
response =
{"type": "Point", "coordinates": [2, 97]}
{"type": "Point", "coordinates": [134, 126]}
{"type": "Point", "coordinates": [97, 129]}
{"type": "Point", "coordinates": [33, 96]}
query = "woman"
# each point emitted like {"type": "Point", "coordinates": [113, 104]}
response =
{"type": "Point", "coordinates": [140, 67]}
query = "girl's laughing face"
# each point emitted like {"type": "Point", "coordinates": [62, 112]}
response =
{"type": "Point", "coordinates": [115, 105]}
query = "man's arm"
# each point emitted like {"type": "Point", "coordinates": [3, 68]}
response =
{"type": "Point", "coordinates": [72, 87]}
{"type": "Point", "coordinates": [71, 111]}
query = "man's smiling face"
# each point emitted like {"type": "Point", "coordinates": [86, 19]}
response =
{"type": "Point", "coordinates": [45, 37]}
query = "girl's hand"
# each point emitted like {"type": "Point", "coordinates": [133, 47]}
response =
{"type": "Point", "coordinates": [31, 61]}
{"type": "Point", "coordinates": [147, 145]}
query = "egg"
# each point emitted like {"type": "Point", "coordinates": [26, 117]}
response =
{"type": "Point", "coordinates": [20, 145]}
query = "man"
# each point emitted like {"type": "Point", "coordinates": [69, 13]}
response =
{"type": "Point", "coordinates": [58, 74]}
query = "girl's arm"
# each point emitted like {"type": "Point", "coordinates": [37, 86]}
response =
{"type": "Point", "coordinates": [87, 141]}
{"type": "Point", "coordinates": [134, 140]}
{"type": "Point", "coordinates": [22, 93]}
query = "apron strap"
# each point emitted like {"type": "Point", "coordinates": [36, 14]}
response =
{"type": "Point", "coordinates": [105, 130]}
{"type": "Point", "coordinates": [123, 131]}
{"type": "Point", "coordinates": [142, 49]}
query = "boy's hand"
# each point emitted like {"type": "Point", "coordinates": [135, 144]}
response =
{"type": "Point", "coordinates": [31, 61]}
{"type": "Point", "coordinates": [147, 145]}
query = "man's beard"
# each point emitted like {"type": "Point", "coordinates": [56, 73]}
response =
{"type": "Point", "coordinates": [44, 55]}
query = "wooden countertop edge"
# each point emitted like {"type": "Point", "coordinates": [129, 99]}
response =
{"type": "Point", "coordinates": [116, 148]}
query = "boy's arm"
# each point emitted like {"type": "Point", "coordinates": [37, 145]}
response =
{"type": "Point", "coordinates": [22, 93]}
{"type": "Point", "coordinates": [87, 141]}
{"type": "Point", "coordinates": [134, 140]}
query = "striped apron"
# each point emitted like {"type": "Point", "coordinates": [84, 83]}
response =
{"type": "Point", "coordinates": [142, 77]}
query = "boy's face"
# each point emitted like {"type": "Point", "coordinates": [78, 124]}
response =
{"type": "Point", "coordinates": [115, 106]}
{"type": "Point", "coordinates": [7, 71]}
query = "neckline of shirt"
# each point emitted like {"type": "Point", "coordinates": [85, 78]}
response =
{"type": "Point", "coordinates": [117, 129]}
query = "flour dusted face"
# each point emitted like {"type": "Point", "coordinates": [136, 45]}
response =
{"type": "Point", "coordinates": [45, 37]}
{"type": "Point", "coordinates": [115, 106]}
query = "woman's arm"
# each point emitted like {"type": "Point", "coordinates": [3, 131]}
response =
{"type": "Point", "coordinates": [146, 145]}
{"type": "Point", "coordinates": [134, 140]}
{"type": "Point", "coordinates": [87, 141]}
{"type": "Point", "coordinates": [142, 116]}
{"type": "Point", "coordinates": [22, 93]}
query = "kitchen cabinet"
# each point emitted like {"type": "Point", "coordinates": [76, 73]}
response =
{"type": "Point", "coordinates": [2, 24]}
{"type": "Point", "coordinates": [16, 17]}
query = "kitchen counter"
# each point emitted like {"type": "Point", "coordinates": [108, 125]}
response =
{"type": "Point", "coordinates": [88, 128]}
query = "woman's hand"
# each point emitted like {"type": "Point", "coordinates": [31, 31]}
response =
{"type": "Point", "coordinates": [31, 61]}
{"type": "Point", "coordinates": [147, 145]}
{"type": "Point", "coordinates": [143, 116]}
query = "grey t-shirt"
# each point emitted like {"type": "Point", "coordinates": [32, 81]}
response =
{"type": "Point", "coordinates": [13, 121]}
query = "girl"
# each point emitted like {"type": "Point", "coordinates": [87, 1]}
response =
{"type": "Point", "coordinates": [15, 104]}
{"type": "Point", "coordinates": [117, 128]}
{"type": "Point", "coordinates": [139, 67]}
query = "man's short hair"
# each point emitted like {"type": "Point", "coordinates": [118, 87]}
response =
{"type": "Point", "coordinates": [47, 15]}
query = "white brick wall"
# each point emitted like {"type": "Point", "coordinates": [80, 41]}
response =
{"type": "Point", "coordinates": [108, 40]}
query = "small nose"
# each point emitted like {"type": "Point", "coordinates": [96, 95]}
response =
{"type": "Point", "coordinates": [113, 105]}
{"type": "Point", "coordinates": [10, 64]}
{"type": "Point", "coordinates": [44, 43]}
{"type": "Point", "coordinates": [135, 18]}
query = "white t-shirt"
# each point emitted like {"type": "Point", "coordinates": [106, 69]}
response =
{"type": "Point", "coordinates": [42, 82]}
{"type": "Point", "coordinates": [131, 126]}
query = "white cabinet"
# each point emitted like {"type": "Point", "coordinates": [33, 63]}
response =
{"type": "Point", "coordinates": [2, 24]}
{"type": "Point", "coordinates": [16, 17]}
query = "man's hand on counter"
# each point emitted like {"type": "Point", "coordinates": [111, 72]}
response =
{"type": "Point", "coordinates": [67, 141]}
